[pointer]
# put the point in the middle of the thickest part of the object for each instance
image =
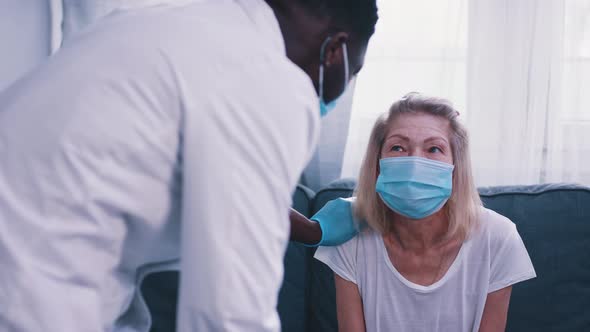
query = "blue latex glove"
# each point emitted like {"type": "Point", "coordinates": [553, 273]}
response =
{"type": "Point", "coordinates": [337, 222]}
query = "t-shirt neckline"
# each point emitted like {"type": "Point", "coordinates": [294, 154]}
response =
{"type": "Point", "coordinates": [420, 288]}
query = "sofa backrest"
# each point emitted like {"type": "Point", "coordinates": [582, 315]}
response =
{"type": "Point", "coordinates": [554, 222]}
{"type": "Point", "coordinates": [293, 305]}
{"type": "Point", "coordinates": [322, 294]}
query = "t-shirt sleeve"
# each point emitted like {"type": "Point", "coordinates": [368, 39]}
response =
{"type": "Point", "coordinates": [341, 259]}
{"type": "Point", "coordinates": [510, 264]}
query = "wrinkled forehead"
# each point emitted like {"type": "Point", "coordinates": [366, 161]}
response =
{"type": "Point", "coordinates": [419, 126]}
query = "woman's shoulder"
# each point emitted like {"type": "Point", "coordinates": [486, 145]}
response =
{"type": "Point", "coordinates": [493, 227]}
{"type": "Point", "coordinates": [341, 206]}
{"type": "Point", "coordinates": [342, 209]}
{"type": "Point", "coordinates": [494, 220]}
{"type": "Point", "coordinates": [365, 243]}
{"type": "Point", "coordinates": [498, 241]}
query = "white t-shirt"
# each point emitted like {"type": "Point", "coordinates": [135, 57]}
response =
{"type": "Point", "coordinates": [492, 258]}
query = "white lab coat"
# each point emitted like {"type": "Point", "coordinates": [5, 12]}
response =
{"type": "Point", "coordinates": [76, 15]}
{"type": "Point", "coordinates": [159, 134]}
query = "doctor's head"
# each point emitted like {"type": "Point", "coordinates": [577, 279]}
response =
{"type": "Point", "coordinates": [328, 36]}
{"type": "Point", "coordinates": [419, 142]}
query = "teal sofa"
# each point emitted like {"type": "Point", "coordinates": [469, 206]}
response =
{"type": "Point", "coordinates": [553, 220]}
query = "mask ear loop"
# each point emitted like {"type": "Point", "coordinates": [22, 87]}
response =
{"type": "Point", "coordinates": [346, 68]}
{"type": "Point", "coordinates": [322, 59]}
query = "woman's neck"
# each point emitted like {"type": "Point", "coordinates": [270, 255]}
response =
{"type": "Point", "coordinates": [422, 234]}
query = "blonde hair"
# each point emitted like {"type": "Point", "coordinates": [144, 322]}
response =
{"type": "Point", "coordinates": [464, 203]}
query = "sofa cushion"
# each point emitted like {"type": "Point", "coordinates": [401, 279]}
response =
{"type": "Point", "coordinates": [554, 222]}
{"type": "Point", "coordinates": [322, 294]}
{"type": "Point", "coordinates": [303, 199]}
{"type": "Point", "coordinates": [160, 290]}
{"type": "Point", "coordinates": [338, 189]}
{"type": "Point", "coordinates": [293, 305]}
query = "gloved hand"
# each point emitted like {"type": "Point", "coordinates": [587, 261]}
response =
{"type": "Point", "coordinates": [337, 222]}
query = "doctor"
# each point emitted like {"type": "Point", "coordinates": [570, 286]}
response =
{"type": "Point", "coordinates": [165, 133]}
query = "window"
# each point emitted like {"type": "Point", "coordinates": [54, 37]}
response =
{"type": "Point", "coordinates": [569, 148]}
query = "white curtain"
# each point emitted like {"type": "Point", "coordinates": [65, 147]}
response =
{"type": "Point", "coordinates": [516, 70]}
{"type": "Point", "coordinates": [528, 62]}
{"type": "Point", "coordinates": [568, 156]}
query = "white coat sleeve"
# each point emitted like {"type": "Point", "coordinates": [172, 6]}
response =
{"type": "Point", "coordinates": [242, 156]}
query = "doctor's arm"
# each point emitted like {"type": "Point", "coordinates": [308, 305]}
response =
{"type": "Point", "coordinates": [304, 230]}
{"type": "Point", "coordinates": [332, 225]}
{"type": "Point", "coordinates": [349, 306]}
{"type": "Point", "coordinates": [233, 232]}
{"type": "Point", "coordinates": [495, 311]}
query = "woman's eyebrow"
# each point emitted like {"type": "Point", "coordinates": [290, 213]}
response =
{"type": "Point", "coordinates": [402, 137]}
{"type": "Point", "coordinates": [436, 138]}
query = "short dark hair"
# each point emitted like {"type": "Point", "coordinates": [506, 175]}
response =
{"type": "Point", "coordinates": [358, 15]}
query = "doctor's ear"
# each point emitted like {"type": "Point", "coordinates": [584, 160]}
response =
{"type": "Point", "coordinates": [333, 52]}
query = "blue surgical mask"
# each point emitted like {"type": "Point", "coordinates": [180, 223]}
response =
{"type": "Point", "coordinates": [325, 108]}
{"type": "Point", "coordinates": [414, 187]}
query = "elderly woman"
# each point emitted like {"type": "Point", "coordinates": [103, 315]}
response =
{"type": "Point", "coordinates": [432, 257]}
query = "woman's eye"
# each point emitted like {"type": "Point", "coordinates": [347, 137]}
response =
{"type": "Point", "coordinates": [397, 148]}
{"type": "Point", "coordinates": [434, 149]}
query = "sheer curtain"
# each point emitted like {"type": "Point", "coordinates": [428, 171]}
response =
{"type": "Point", "coordinates": [418, 45]}
{"type": "Point", "coordinates": [517, 71]}
{"type": "Point", "coordinates": [528, 62]}
{"type": "Point", "coordinates": [568, 156]}
{"type": "Point", "coordinates": [513, 90]}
